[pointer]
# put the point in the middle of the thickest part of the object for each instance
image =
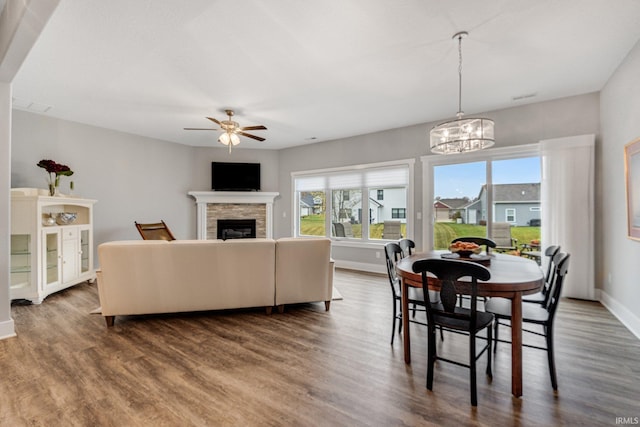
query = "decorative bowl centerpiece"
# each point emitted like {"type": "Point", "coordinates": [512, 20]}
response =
{"type": "Point", "coordinates": [66, 218]}
{"type": "Point", "coordinates": [465, 249]}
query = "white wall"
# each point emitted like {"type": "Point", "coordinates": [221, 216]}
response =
{"type": "Point", "coordinates": [133, 178]}
{"type": "Point", "coordinates": [617, 266]}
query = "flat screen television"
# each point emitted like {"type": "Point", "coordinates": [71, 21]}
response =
{"type": "Point", "coordinates": [235, 176]}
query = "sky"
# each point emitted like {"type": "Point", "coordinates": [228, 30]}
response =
{"type": "Point", "coordinates": [465, 179]}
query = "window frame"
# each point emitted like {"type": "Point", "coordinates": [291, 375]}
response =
{"type": "Point", "coordinates": [429, 162]}
{"type": "Point", "coordinates": [395, 213]}
{"type": "Point", "coordinates": [506, 215]}
{"type": "Point", "coordinates": [363, 241]}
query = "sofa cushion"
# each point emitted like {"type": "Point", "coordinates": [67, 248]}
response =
{"type": "Point", "coordinates": [304, 271]}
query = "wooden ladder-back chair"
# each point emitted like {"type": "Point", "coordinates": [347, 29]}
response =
{"type": "Point", "coordinates": [541, 297]}
{"type": "Point", "coordinates": [407, 246]}
{"type": "Point", "coordinates": [450, 316]}
{"type": "Point", "coordinates": [542, 315]}
{"type": "Point", "coordinates": [155, 231]}
{"type": "Point", "coordinates": [393, 254]}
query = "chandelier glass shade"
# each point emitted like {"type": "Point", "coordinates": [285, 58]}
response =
{"type": "Point", "coordinates": [462, 134]}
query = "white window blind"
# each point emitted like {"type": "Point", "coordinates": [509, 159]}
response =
{"type": "Point", "coordinates": [396, 176]}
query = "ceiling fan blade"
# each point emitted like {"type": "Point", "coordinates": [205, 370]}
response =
{"type": "Point", "coordinates": [199, 129]}
{"type": "Point", "coordinates": [216, 121]}
{"type": "Point", "coordinates": [251, 136]}
{"type": "Point", "coordinates": [259, 127]}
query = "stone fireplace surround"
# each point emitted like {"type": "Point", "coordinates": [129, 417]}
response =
{"type": "Point", "coordinates": [214, 205]}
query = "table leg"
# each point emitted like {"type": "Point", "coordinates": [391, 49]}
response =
{"type": "Point", "coordinates": [406, 340]}
{"type": "Point", "coordinates": [516, 345]}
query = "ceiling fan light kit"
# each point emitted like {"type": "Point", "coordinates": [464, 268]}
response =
{"type": "Point", "coordinates": [231, 130]}
{"type": "Point", "coordinates": [462, 134]}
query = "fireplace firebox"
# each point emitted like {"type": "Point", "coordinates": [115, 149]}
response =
{"type": "Point", "coordinates": [236, 229]}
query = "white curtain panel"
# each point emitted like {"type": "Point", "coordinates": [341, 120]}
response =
{"type": "Point", "coordinates": [568, 208]}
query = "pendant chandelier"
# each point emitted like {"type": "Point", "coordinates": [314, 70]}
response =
{"type": "Point", "coordinates": [463, 134]}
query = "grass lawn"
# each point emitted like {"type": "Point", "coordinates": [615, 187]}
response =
{"type": "Point", "coordinates": [445, 232]}
{"type": "Point", "coordinates": [313, 225]}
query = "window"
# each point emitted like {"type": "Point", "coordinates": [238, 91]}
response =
{"type": "Point", "coordinates": [481, 188]}
{"type": "Point", "coordinates": [356, 200]}
{"type": "Point", "coordinates": [311, 207]}
{"type": "Point", "coordinates": [398, 213]}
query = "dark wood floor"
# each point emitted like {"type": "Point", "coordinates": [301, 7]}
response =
{"type": "Point", "coordinates": [305, 367]}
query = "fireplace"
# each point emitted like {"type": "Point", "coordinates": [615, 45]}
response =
{"type": "Point", "coordinates": [213, 205]}
{"type": "Point", "coordinates": [236, 228]}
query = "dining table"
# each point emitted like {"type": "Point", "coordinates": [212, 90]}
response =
{"type": "Point", "coordinates": [512, 277]}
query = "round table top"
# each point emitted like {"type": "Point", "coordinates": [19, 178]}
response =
{"type": "Point", "coordinates": [509, 273]}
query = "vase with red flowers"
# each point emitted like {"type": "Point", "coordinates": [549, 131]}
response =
{"type": "Point", "coordinates": [55, 171]}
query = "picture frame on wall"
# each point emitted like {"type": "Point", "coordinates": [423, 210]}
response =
{"type": "Point", "coordinates": [632, 180]}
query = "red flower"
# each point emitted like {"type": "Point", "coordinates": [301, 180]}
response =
{"type": "Point", "coordinates": [52, 167]}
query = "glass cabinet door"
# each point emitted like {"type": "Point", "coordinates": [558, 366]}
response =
{"type": "Point", "coordinates": [51, 257]}
{"type": "Point", "coordinates": [84, 251]}
{"type": "Point", "coordinates": [20, 261]}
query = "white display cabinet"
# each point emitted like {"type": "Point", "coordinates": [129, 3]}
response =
{"type": "Point", "coordinates": [47, 257]}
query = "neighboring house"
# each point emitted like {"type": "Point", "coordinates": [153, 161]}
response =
{"type": "Point", "coordinates": [388, 203]}
{"type": "Point", "coordinates": [447, 209]}
{"type": "Point", "coordinates": [475, 212]}
{"type": "Point", "coordinates": [384, 204]}
{"type": "Point", "coordinates": [516, 204]}
{"type": "Point", "coordinates": [306, 205]}
{"type": "Point", "coordinates": [310, 205]}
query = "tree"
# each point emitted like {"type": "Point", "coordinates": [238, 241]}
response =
{"type": "Point", "coordinates": [343, 202]}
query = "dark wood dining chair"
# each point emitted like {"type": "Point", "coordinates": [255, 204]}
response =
{"type": "Point", "coordinates": [480, 241]}
{"type": "Point", "coordinates": [154, 231]}
{"type": "Point", "coordinates": [393, 253]}
{"type": "Point", "coordinates": [452, 317]}
{"type": "Point", "coordinates": [537, 314]}
{"type": "Point", "coordinates": [541, 297]}
{"type": "Point", "coordinates": [407, 246]}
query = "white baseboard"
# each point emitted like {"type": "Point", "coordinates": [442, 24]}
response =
{"type": "Point", "coordinates": [622, 313]}
{"type": "Point", "coordinates": [362, 266]}
{"type": "Point", "coordinates": [7, 329]}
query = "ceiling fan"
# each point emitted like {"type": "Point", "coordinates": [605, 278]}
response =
{"type": "Point", "coordinates": [231, 129]}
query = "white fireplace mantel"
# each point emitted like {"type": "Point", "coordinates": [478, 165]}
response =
{"type": "Point", "coordinates": [203, 198]}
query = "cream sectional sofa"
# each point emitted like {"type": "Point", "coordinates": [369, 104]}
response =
{"type": "Point", "coordinates": [156, 276]}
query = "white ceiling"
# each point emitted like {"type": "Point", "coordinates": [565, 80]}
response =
{"type": "Point", "coordinates": [323, 69]}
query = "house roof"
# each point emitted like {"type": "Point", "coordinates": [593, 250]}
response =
{"type": "Point", "coordinates": [527, 192]}
{"type": "Point", "coordinates": [455, 203]}
{"type": "Point", "coordinates": [307, 200]}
